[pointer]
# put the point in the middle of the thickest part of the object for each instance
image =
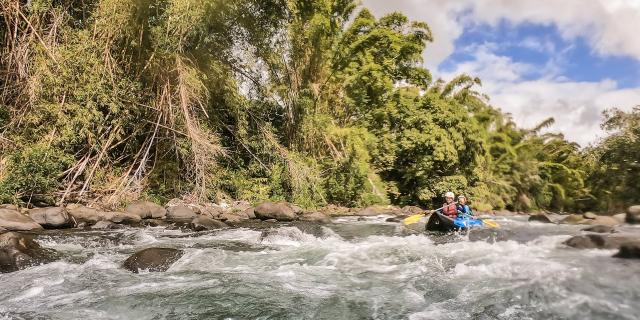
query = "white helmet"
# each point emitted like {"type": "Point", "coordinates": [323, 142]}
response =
{"type": "Point", "coordinates": [449, 195]}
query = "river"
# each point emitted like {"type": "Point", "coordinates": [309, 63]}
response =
{"type": "Point", "coordinates": [345, 270]}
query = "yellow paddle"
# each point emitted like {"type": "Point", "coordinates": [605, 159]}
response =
{"type": "Point", "coordinates": [491, 223]}
{"type": "Point", "coordinates": [416, 217]}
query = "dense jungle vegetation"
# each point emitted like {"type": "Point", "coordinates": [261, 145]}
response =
{"type": "Point", "coordinates": [312, 101]}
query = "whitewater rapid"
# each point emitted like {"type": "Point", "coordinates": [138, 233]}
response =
{"type": "Point", "coordinates": [345, 270]}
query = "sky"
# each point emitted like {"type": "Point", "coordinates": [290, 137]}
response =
{"type": "Point", "coordinates": [568, 59]}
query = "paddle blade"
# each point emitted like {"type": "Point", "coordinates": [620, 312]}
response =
{"type": "Point", "coordinates": [413, 219]}
{"type": "Point", "coordinates": [491, 223]}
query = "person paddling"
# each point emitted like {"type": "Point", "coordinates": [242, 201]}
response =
{"type": "Point", "coordinates": [463, 209]}
{"type": "Point", "coordinates": [449, 208]}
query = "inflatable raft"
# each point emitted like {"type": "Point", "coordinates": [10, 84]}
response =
{"type": "Point", "coordinates": [440, 222]}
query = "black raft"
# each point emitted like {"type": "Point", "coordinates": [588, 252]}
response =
{"type": "Point", "coordinates": [440, 222]}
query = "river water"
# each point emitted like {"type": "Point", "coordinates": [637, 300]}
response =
{"type": "Point", "coordinates": [346, 270]}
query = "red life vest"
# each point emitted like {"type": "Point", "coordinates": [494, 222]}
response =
{"type": "Point", "coordinates": [450, 210]}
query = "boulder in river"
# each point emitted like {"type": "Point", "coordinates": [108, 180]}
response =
{"type": "Point", "coordinates": [315, 216]}
{"type": "Point", "coordinates": [233, 217]}
{"type": "Point", "coordinates": [629, 250]}
{"type": "Point", "coordinates": [573, 219]}
{"type": "Point", "coordinates": [589, 215]}
{"type": "Point", "coordinates": [633, 215]}
{"type": "Point", "coordinates": [146, 210]}
{"type": "Point", "coordinates": [19, 251]}
{"type": "Point", "coordinates": [13, 220]}
{"type": "Point", "coordinates": [87, 214]}
{"type": "Point", "coordinates": [599, 229]}
{"type": "Point", "coordinates": [598, 241]}
{"type": "Point", "coordinates": [51, 217]}
{"type": "Point", "coordinates": [603, 221]}
{"type": "Point", "coordinates": [106, 225]}
{"type": "Point", "coordinates": [152, 259]}
{"type": "Point", "coordinates": [280, 211]}
{"type": "Point", "coordinates": [180, 212]}
{"type": "Point", "coordinates": [540, 218]}
{"type": "Point", "coordinates": [203, 223]}
{"type": "Point", "coordinates": [123, 217]}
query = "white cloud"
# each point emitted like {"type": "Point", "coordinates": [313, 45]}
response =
{"type": "Point", "coordinates": [576, 106]}
{"type": "Point", "coordinates": [609, 26]}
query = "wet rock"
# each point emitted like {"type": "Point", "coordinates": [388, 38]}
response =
{"type": "Point", "coordinates": [19, 251]}
{"type": "Point", "coordinates": [411, 210]}
{"type": "Point", "coordinates": [602, 220]}
{"type": "Point", "coordinates": [86, 214]}
{"type": "Point", "coordinates": [123, 217]}
{"type": "Point", "coordinates": [51, 217]}
{"type": "Point", "coordinates": [146, 210]}
{"type": "Point", "coordinates": [106, 225]}
{"type": "Point", "coordinates": [573, 219]}
{"type": "Point", "coordinates": [205, 223]}
{"type": "Point", "coordinates": [154, 223]}
{"type": "Point", "coordinates": [589, 215]}
{"type": "Point", "coordinates": [620, 217]}
{"type": "Point", "coordinates": [232, 217]}
{"type": "Point", "coordinates": [271, 221]}
{"type": "Point", "coordinates": [180, 212]}
{"type": "Point", "coordinates": [393, 219]}
{"type": "Point", "coordinates": [633, 215]}
{"type": "Point", "coordinates": [598, 241]}
{"type": "Point", "coordinates": [540, 218]}
{"type": "Point", "coordinates": [315, 216]}
{"type": "Point", "coordinates": [599, 229]}
{"type": "Point", "coordinates": [280, 211]}
{"type": "Point", "coordinates": [152, 259]}
{"type": "Point", "coordinates": [362, 219]}
{"type": "Point", "coordinates": [13, 220]}
{"type": "Point", "coordinates": [629, 250]}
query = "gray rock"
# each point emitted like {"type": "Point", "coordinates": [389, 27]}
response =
{"type": "Point", "coordinates": [13, 220]}
{"type": "Point", "coordinates": [629, 250]}
{"type": "Point", "coordinates": [250, 213]}
{"type": "Point", "coordinates": [87, 214]}
{"type": "Point", "coordinates": [599, 229]}
{"type": "Point", "coordinates": [152, 259]}
{"type": "Point", "coordinates": [180, 212]}
{"type": "Point", "coordinates": [203, 223]}
{"type": "Point", "coordinates": [280, 211]}
{"type": "Point", "coordinates": [633, 215]}
{"type": "Point", "coordinates": [146, 210]}
{"type": "Point", "coordinates": [589, 215]}
{"type": "Point", "coordinates": [233, 217]}
{"type": "Point", "coordinates": [598, 241]}
{"type": "Point", "coordinates": [540, 218]}
{"type": "Point", "coordinates": [315, 217]}
{"type": "Point", "coordinates": [106, 225]}
{"type": "Point", "coordinates": [19, 251]}
{"type": "Point", "coordinates": [51, 217]}
{"type": "Point", "coordinates": [123, 217]}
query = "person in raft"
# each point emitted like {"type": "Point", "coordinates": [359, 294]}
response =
{"type": "Point", "coordinates": [449, 208]}
{"type": "Point", "coordinates": [463, 209]}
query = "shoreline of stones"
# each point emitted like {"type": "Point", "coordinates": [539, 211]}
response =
{"type": "Point", "coordinates": [601, 233]}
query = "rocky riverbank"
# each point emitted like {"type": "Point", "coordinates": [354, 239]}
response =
{"type": "Point", "coordinates": [18, 226]}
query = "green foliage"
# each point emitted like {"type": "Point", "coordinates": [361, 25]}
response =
{"type": "Point", "coordinates": [35, 169]}
{"type": "Point", "coordinates": [312, 102]}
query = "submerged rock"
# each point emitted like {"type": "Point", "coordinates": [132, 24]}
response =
{"type": "Point", "coordinates": [205, 223]}
{"type": "Point", "coordinates": [152, 259]}
{"type": "Point", "coordinates": [146, 209]}
{"type": "Point", "coordinates": [13, 220]}
{"type": "Point", "coordinates": [599, 229]}
{"type": "Point", "coordinates": [51, 217]}
{"type": "Point", "coordinates": [280, 211]}
{"type": "Point", "coordinates": [633, 215]}
{"type": "Point", "coordinates": [315, 216]}
{"type": "Point", "coordinates": [540, 218]}
{"type": "Point", "coordinates": [19, 251]}
{"type": "Point", "coordinates": [598, 241]}
{"type": "Point", "coordinates": [629, 250]}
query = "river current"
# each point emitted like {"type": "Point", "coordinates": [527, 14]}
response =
{"type": "Point", "coordinates": [345, 270]}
